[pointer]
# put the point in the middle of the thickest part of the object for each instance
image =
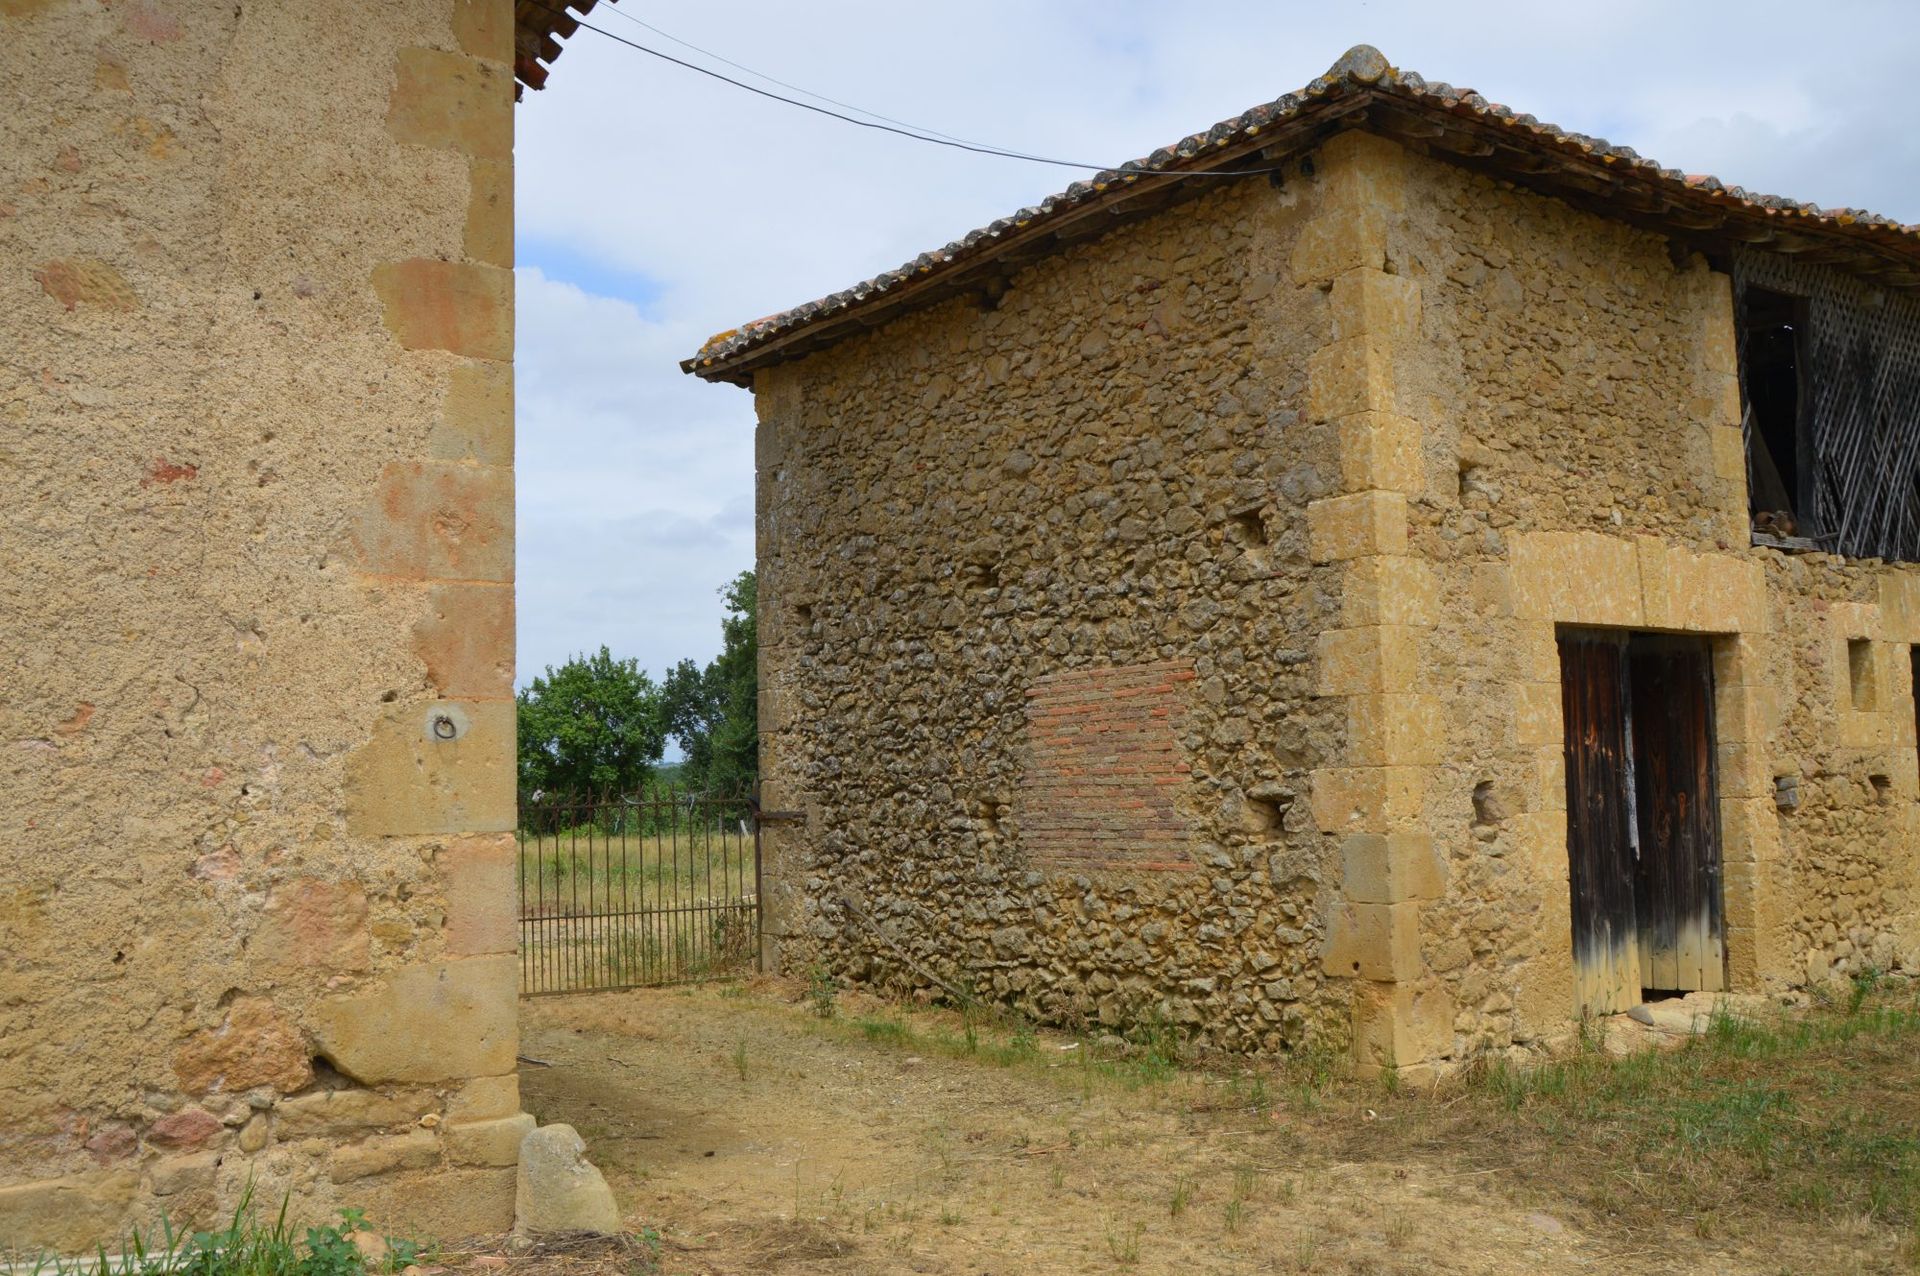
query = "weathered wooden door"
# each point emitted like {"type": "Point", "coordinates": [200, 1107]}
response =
{"type": "Point", "coordinates": [1643, 840]}
{"type": "Point", "coordinates": [1677, 879]}
{"type": "Point", "coordinates": [1600, 832]}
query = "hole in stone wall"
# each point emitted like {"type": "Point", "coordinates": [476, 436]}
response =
{"type": "Point", "coordinates": [1786, 792]}
{"type": "Point", "coordinates": [982, 576]}
{"type": "Point", "coordinates": [803, 614]}
{"type": "Point", "coordinates": [328, 1077]}
{"type": "Point", "coordinates": [1882, 787]}
{"type": "Point", "coordinates": [1248, 529]}
{"type": "Point", "coordinates": [1267, 815]}
{"type": "Point", "coordinates": [388, 697]}
{"type": "Point", "coordinates": [1487, 808]}
{"type": "Point", "coordinates": [1860, 673]}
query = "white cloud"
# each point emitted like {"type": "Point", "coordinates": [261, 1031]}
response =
{"type": "Point", "coordinates": [635, 481]}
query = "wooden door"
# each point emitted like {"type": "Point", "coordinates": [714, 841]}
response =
{"type": "Point", "coordinates": [1677, 878]}
{"type": "Point", "coordinates": [1600, 826]}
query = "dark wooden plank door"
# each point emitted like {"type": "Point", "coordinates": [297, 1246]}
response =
{"type": "Point", "coordinates": [1600, 830]}
{"type": "Point", "coordinates": [1677, 882]}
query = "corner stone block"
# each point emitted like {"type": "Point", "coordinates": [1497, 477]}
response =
{"type": "Point", "coordinates": [1374, 303]}
{"type": "Point", "coordinates": [435, 520]}
{"type": "Point", "coordinates": [489, 230]}
{"type": "Point", "coordinates": [462, 307]}
{"type": "Point", "coordinates": [66, 1215]}
{"type": "Point", "coordinates": [1379, 658]}
{"type": "Point", "coordinates": [495, 1142]}
{"type": "Point", "coordinates": [482, 908]}
{"type": "Point", "coordinates": [1537, 714]}
{"type": "Point", "coordinates": [1395, 1027]}
{"type": "Point", "coordinates": [1391, 868]}
{"type": "Point", "coordinates": [449, 1021]}
{"type": "Point", "coordinates": [485, 1098]}
{"type": "Point", "coordinates": [484, 28]}
{"type": "Point", "coordinates": [1367, 799]}
{"type": "Point", "coordinates": [1900, 604]}
{"type": "Point", "coordinates": [411, 780]}
{"type": "Point", "coordinates": [1373, 941]}
{"type": "Point", "coordinates": [1729, 453]}
{"type": "Point", "coordinates": [452, 101]}
{"type": "Point", "coordinates": [440, 1201]}
{"type": "Point", "coordinates": [1354, 375]}
{"type": "Point", "coordinates": [1356, 526]}
{"type": "Point", "coordinates": [1364, 170]}
{"type": "Point", "coordinates": [1383, 589]}
{"type": "Point", "coordinates": [466, 641]}
{"type": "Point", "coordinates": [1339, 240]}
{"type": "Point", "coordinates": [1381, 450]}
{"type": "Point", "coordinates": [476, 422]}
{"type": "Point", "coordinates": [1749, 831]}
{"type": "Point", "coordinates": [1395, 730]}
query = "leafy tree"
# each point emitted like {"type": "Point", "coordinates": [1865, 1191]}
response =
{"type": "Point", "coordinates": [715, 712]}
{"type": "Point", "coordinates": [594, 725]}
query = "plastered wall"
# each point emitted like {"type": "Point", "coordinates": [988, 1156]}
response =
{"type": "Point", "coordinates": [256, 556]}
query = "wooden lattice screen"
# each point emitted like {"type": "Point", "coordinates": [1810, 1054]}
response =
{"type": "Point", "coordinates": [1859, 405]}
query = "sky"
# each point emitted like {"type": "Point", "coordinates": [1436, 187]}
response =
{"type": "Point", "coordinates": [655, 206]}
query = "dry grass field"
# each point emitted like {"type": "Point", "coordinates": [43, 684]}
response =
{"type": "Point", "coordinates": [777, 1127]}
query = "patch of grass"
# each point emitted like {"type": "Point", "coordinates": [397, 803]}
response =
{"type": "Point", "coordinates": [1182, 1196]}
{"type": "Point", "coordinates": [247, 1246]}
{"type": "Point", "coordinates": [1814, 1117]}
{"type": "Point", "coordinates": [886, 1031]}
{"type": "Point", "coordinates": [740, 1057]}
{"type": "Point", "coordinates": [1123, 1242]}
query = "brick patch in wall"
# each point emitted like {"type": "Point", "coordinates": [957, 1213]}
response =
{"type": "Point", "coordinates": [1104, 767]}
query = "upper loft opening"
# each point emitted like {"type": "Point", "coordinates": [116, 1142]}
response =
{"type": "Point", "coordinates": [1830, 385]}
{"type": "Point", "coordinates": [1771, 325]}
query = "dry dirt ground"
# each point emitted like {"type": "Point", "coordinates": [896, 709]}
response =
{"type": "Point", "coordinates": [756, 1136]}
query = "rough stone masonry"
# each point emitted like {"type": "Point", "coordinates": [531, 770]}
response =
{"type": "Point", "coordinates": [256, 614]}
{"type": "Point", "coordinates": [1161, 588]}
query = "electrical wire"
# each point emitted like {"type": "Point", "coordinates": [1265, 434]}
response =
{"type": "Point", "coordinates": [1128, 170]}
{"type": "Point", "coordinates": [618, 12]}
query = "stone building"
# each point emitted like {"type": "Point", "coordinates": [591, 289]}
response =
{"type": "Point", "coordinates": [1342, 604]}
{"type": "Point", "coordinates": [256, 610]}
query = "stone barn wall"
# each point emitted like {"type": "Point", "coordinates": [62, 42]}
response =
{"type": "Point", "coordinates": [256, 555]}
{"type": "Point", "coordinates": [1583, 465]}
{"type": "Point", "coordinates": [1249, 528]}
{"type": "Point", "coordinates": [1038, 644]}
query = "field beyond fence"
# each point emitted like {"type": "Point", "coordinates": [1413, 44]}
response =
{"type": "Point", "coordinates": [627, 891]}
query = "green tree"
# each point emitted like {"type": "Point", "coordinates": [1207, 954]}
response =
{"type": "Point", "coordinates": [594, 725]}
{"type": "Point", "coordinates": [715, 712]}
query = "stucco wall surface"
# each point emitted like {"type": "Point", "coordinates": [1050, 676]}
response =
{"type": "Point", "coordinates": [980, 521]}
{"type": "Point", "coordinates": [255, 613]}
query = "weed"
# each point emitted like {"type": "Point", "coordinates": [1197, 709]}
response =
{"type": "Point", "coordinates": [245, 1247]}
{"type": "Point", "coordinates": [1864, 982]}
{"type": "Point", "coordinates": [823, 991]}
{"type": "Point", "coordinates": [1245, 1179]}
{"type": "Point", "coordinates": [950, 1217]}
{"type": "Point", "coordinates": [1182, 1196]}
{"type": "Point", "coordinates": [740, 1057]}
{"type": "Point", "coordinates": [1235, 1214]}
{"type": "Point", "coordinates": [1056, 1177]}
{"type": "Point", "coordinates": [1399, 1231]}
{"type": "Point", "coordinates": [1123, 1243]}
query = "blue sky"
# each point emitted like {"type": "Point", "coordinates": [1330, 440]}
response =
{"type": "Point", "coordinates": [656, 207]}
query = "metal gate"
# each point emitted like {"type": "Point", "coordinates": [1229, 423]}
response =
{"type": "Point", "coordinates": [661, 887]}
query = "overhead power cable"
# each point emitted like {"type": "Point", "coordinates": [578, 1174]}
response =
{"type": "Point", "coordinates": [618, 12]}
{"type": "Point", "coordinates": [883, 123]}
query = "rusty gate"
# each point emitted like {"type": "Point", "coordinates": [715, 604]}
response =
{"type": "Point", "coordinates": [637, 890]}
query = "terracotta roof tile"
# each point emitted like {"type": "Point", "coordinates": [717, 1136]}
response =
{"type": "Point", "coordinates": [538, 28]}
{"type": "Point", "coordinates": [1361, 78]}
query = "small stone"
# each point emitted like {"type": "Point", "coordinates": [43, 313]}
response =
{"type": "Point", "coordinates": [187, 1128]}
{"type": "Point", "coordinates": [559, 1189]}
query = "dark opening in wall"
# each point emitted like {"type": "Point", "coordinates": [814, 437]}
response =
{"type": "Point", "coordinates": [1772, 354]}
{"type": "Point", "coordinates": [1860, 686]}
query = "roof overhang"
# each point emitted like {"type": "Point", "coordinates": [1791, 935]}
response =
{"type": "Point", "coordinates": [1360, 91]}
{"type": "Point", "coordinates": [538, 28]}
